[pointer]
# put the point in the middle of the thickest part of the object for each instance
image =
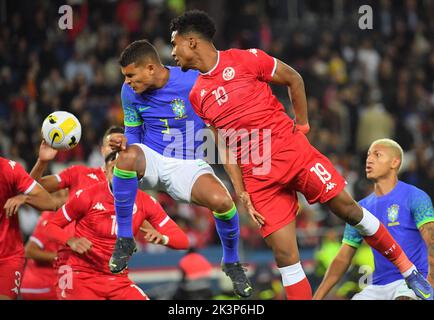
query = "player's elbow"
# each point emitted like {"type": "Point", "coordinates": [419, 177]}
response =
{"type": "Point", "coordinates": [295, 79]}
{"type": "Point", "coordinates": [30, 250]}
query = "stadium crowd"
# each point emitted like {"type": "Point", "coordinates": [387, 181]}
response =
{"type": "Point", "coordinates": [361, 84]}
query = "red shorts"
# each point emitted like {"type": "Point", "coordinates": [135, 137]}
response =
{"type": "Point", "coordinates": [298, 166]}
{"type": "Point", "coordinates": [36, 286]}
{"type": "Point", "coordinates": [11, 272]}
{"type": "Point", "coordinates": [88, 286]}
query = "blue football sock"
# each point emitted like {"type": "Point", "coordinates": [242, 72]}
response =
{"type": "Point", "coordinates": [228, 229]}
{"type": "Point", "coordinates": [125, 186]}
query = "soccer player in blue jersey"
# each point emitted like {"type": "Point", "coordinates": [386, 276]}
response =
{"type": "Point", "coordinates": [408, 214]}
{"type": "Point", "coordinates": [161, 147]}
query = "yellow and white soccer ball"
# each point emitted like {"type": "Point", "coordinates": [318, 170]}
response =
{"type": "Point", "coordinates": [61, 130]}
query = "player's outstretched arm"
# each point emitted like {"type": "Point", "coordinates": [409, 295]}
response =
{"type": "Point", "coordinates": [234, 172]}
{"type": "Point", "coordinates": [160, 229]}
{"type": "Point", "coordinates": [38, 198]}
{"type": "Point", "coordinates": [285, 75]}
{"type": "Point", "coordinates": [335, 271]}
{"type": "Point", "coordinates": [72, 210]}
{"type": "Point", "coordinates": [427, 232]}
{"type": "Point", "coordinates": [33, 251]}
{"type": "Point", "coordinates": [46, 154]}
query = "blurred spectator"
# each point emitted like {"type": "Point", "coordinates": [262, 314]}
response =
{"type": "Point", "coordinates": [196, 278]}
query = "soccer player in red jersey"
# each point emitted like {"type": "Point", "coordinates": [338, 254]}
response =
{"type": "Point", "coordinates": [40, 278]}
{"type": "Point", "coordinates": [73, 178]}
{"type": "Point", "coordinates": [16, 188]}
{"type": "Point", "coordinates": [233, 97]}
{"type": "Point", "coordinates": [86, 271]}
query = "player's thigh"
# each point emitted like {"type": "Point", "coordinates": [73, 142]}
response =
{"type": "Point", "coordinates": [317, 179]}
{"type": "Point", "coordinates": [209, 191]}
{"type": "Point", "coordinates": [82, 287]}
{"type": "Point", "coordinates": [153, 161]}
{"type": "Point", "coordinates": [11, 272]}
{"type": "Point", "coordinates": [277, 204]}
{"type": "Point", "coordinates": [125, 289]}
{"type": "Point", "coordinates": [179, 177]}
{"type": "Point", "coordinates": [38, 294]}
{"type": "Point", "coordinates": [38, 287]}
{"type": "Point", "coordinates": [369, 293]}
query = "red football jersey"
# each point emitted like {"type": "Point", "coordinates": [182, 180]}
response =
{"type": "Point", "coordinates": [79, 177]}
{"type": "Point", "coordinates": [14, 180]}
{"type": "Point", "coordinates": [235, 96]}
{"type": "Point", "coordinates": [43, 272]}
{"type": "Point", "coordinates": [94, 212]}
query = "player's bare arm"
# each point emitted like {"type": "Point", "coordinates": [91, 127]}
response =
{"type": "Point", "coordinates": [46, 154]}
{"type": "Point", "coordinates": [33, 251]}
{"type": "Point", "coordinates": [38, 198]}
{"type": "Point", "coordinates": [234, 173]}
{"type": "Point", "coordinates": [335, 271]}
{"type": "Point", "coordinates": [427, 232]}
{"type": "Point", "coordinates": [285, 75]}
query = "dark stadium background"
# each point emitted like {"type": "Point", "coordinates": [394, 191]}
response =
{"type": "Point", "coordinates": [361, 85]}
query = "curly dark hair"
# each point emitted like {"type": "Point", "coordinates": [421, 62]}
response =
{"type": "Point", "coordinates": [137, 51]}
{"type": "Point", "coordinates": [194, 21]}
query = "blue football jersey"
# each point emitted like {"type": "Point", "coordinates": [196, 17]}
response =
{"type": "Point", "coordinates": [402, 211]}
{"type": "Point", "coordinates": [163, 119]}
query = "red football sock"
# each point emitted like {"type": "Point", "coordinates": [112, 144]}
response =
{"type": "Point", "coordinates": [294, 280]}
{"type": "Point", "coordinates": [384, 243]}
{"type": "Point", "coordinates": [299, 291]}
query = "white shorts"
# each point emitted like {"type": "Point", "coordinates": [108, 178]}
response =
{"type": "Point", "coordinates": [171, 175]}
{"type": "Point", "coordinates": [389, 291]}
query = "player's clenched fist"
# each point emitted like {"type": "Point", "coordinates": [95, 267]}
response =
{"type": "Point", "coordinates": [117, 141]}
{"type": "Point", "coordinates": [79, 245]}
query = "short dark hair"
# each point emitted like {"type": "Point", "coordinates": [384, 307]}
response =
{"type": "Point", "coordinates": [194, 21]}
{"type": "Point", "coordinates": [112, 129]}
{"type": "Point", "coordinates": [137, 52]}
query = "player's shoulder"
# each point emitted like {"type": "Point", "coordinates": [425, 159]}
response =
{"type": "Point", "coordinates": [178, 72]}
{"type": "Point", "coordinates": [89, 191]}
{"type": "Point", "coordinates": [235, 53]}
{"type": "Point", "coordinates": [410, 190]}
{"type": "Point", "coordinates": [145, 197]}
{"type": "Point", "coordinates": [78, 169]}
{"type": "Point", "coordinates": [367, 200]}
{"type": "Point", "coordinates": [8, 165]}
{"type": "Point", "coordinates": [127, 93]}
{"type": "Point", "coordinates": [126, 89]}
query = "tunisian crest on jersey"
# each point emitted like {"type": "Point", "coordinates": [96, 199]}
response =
{"type": "Point", "coordinates": [392, 215]}
{"type": "Point", "coordinates": [178, 108]}
{"type": "Point", "coordinates": [228, 73]}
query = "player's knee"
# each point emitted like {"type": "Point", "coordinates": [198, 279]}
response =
{"type": "Point", "coordinates": [220, 202]}
{"type": "Point", "coordinates": [127, 159]}
{"type": "Point", "coordinates": [285, 257]}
